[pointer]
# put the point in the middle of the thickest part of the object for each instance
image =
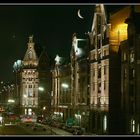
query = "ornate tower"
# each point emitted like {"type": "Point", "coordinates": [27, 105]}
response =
{"type": "Point", "coordinates": [29, 81]}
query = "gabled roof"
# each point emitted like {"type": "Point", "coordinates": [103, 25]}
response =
{"type": "Point", "coordinates": [99, 9]}
{"type": "Point", "coordinates": [30, 57]}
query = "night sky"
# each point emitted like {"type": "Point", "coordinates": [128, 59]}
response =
{"type": "Point", "coordinates": [51, 25]}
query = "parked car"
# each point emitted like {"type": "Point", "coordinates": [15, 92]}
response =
{"type": "Point", "coordinates": [39, 119]}
{"type": "Point", "coordinates": [77, 130]}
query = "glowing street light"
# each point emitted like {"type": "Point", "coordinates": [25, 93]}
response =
{"type": "Point", "coordinates": [25, 96]}
{"type": "Point", "coordinates": [44, 108]}
{"type": "Point", "coordinates": [41, 89]}
{"type": "Point", "coordinates": [64, 85]}
{"type": "Point", "coordinates": [11, 101]}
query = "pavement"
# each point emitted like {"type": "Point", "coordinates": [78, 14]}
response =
{"type": "Point", "coordinates": [58, 131]}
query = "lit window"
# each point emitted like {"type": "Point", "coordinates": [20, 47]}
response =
{"type": "Point", "coordinates": [132, 57]}
{"type": "Point", "coordinates": [133, 71]}
{"type": "Point", "coordinates": [30, 55]}
{"type": "Point", "coordinates": [29, 111]}
{"type": "Point", "coordinates": [138, 129]}
{"type": "Point", "coordinates": [99, 72]}
{"type": "Point", "coordinates": [105, 123]}
{"type": "Point", "coordinates": [124, 56]}
{"type": "Point", "coordinates": [99, 87]}
{"type": "Point", "coordinates": [25, 111]}
{"type": "Point", "coordinates": [132, 126]}
{"type": "Point", "coordinates": [125, 73]}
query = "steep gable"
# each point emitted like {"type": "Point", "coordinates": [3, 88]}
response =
{"type": "Point", "coordinates": [30, 57]}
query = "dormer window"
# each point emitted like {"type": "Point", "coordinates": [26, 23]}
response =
{"type": "Point", "coordinates": [30, 54]}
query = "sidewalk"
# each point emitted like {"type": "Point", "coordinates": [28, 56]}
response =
{"type": "Point", "coordinates": [58, 131]}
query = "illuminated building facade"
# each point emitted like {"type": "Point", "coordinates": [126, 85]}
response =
{"type": "Point", "coordinates": [104, 83]}
{"type": "Point", "coordinates": [61, 90]}
{"type": "Point", "coordinates": [56, 88]}
{"type": "Point", "coordinates": [80, 80]}
{"type": "Point", "coordinates": [29, 81]}
{"type": "Point", "coordinates": [99, 72]}
{"type": "Point", "coordinates": [70, 84]}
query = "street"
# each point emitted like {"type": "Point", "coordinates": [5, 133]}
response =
{"type": "Point", "coordinates": [30, 129]}
{"type": "Point", "coordinates": [12, 130]}
{"type": "Point", "coordinates": [22, 129]}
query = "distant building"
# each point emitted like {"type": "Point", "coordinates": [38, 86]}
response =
{"type": "Point", "coordinates": [100, 68]}
{"type": "Point", "coordinates": [80, 80]}
{"type": "Point", "coordinates": [61, 90]}
{"type": "Point", "coordinates": [130, 73]}
{"type": "Point", "coordinates": [44, 95]}
{"type": "Point", "coordinates": [29, 81]}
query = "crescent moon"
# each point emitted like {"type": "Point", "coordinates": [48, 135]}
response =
{"type": "Point", "coordinates": [79, 15]}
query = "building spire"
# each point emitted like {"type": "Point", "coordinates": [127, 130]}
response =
{"type": "Point", "coordinates": [31, 39]}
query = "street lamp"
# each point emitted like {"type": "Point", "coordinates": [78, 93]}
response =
{"type": "Point", "coordinates": [41, 89]}
{"type": "Point", "coordinates": [11, 101]}
{"type": "Point", "coordinates": [65, 86]}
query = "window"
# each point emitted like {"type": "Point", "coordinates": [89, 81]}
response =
{"type": "Point", "coordinates": [99, 72]}
{"type": "Point", "coordinates": [105, 123]}
{"type": "Point", "coordinates": [105, 53]}
{"type": "Point", "coordinates": [30, 86]}
{"type": "Point", "coordinates": [25, 111]}
{"type": "Point", "coordinates": [138, 129]}
{"type": "Point", "coordinates": [131, 57]}
{"type": "Point", "coordinates": [98, 24]}
{"type": "Point", "coordinates": [104, 70]}
{"type": "Point", "coordinates": [33, 102]}
{"type": "Point", "coordinates": [30, 94]}
{"type": "Point", "coordinates": [29, 111]}
{"type": "Point", "coordinates": [124, 56]}
{"type": "Point", "coordinates": [104, 85]}
{"type": "Point", "coordinates": [30, 54]}
{"type": "Point", "coordinates": [133, 72]}
{"type": "Point", "coordinates": [132, 125]}
{"type": "Point", "coordinates": [98, 42]}
{"type": "Point", "coordinates": [99, 87]}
